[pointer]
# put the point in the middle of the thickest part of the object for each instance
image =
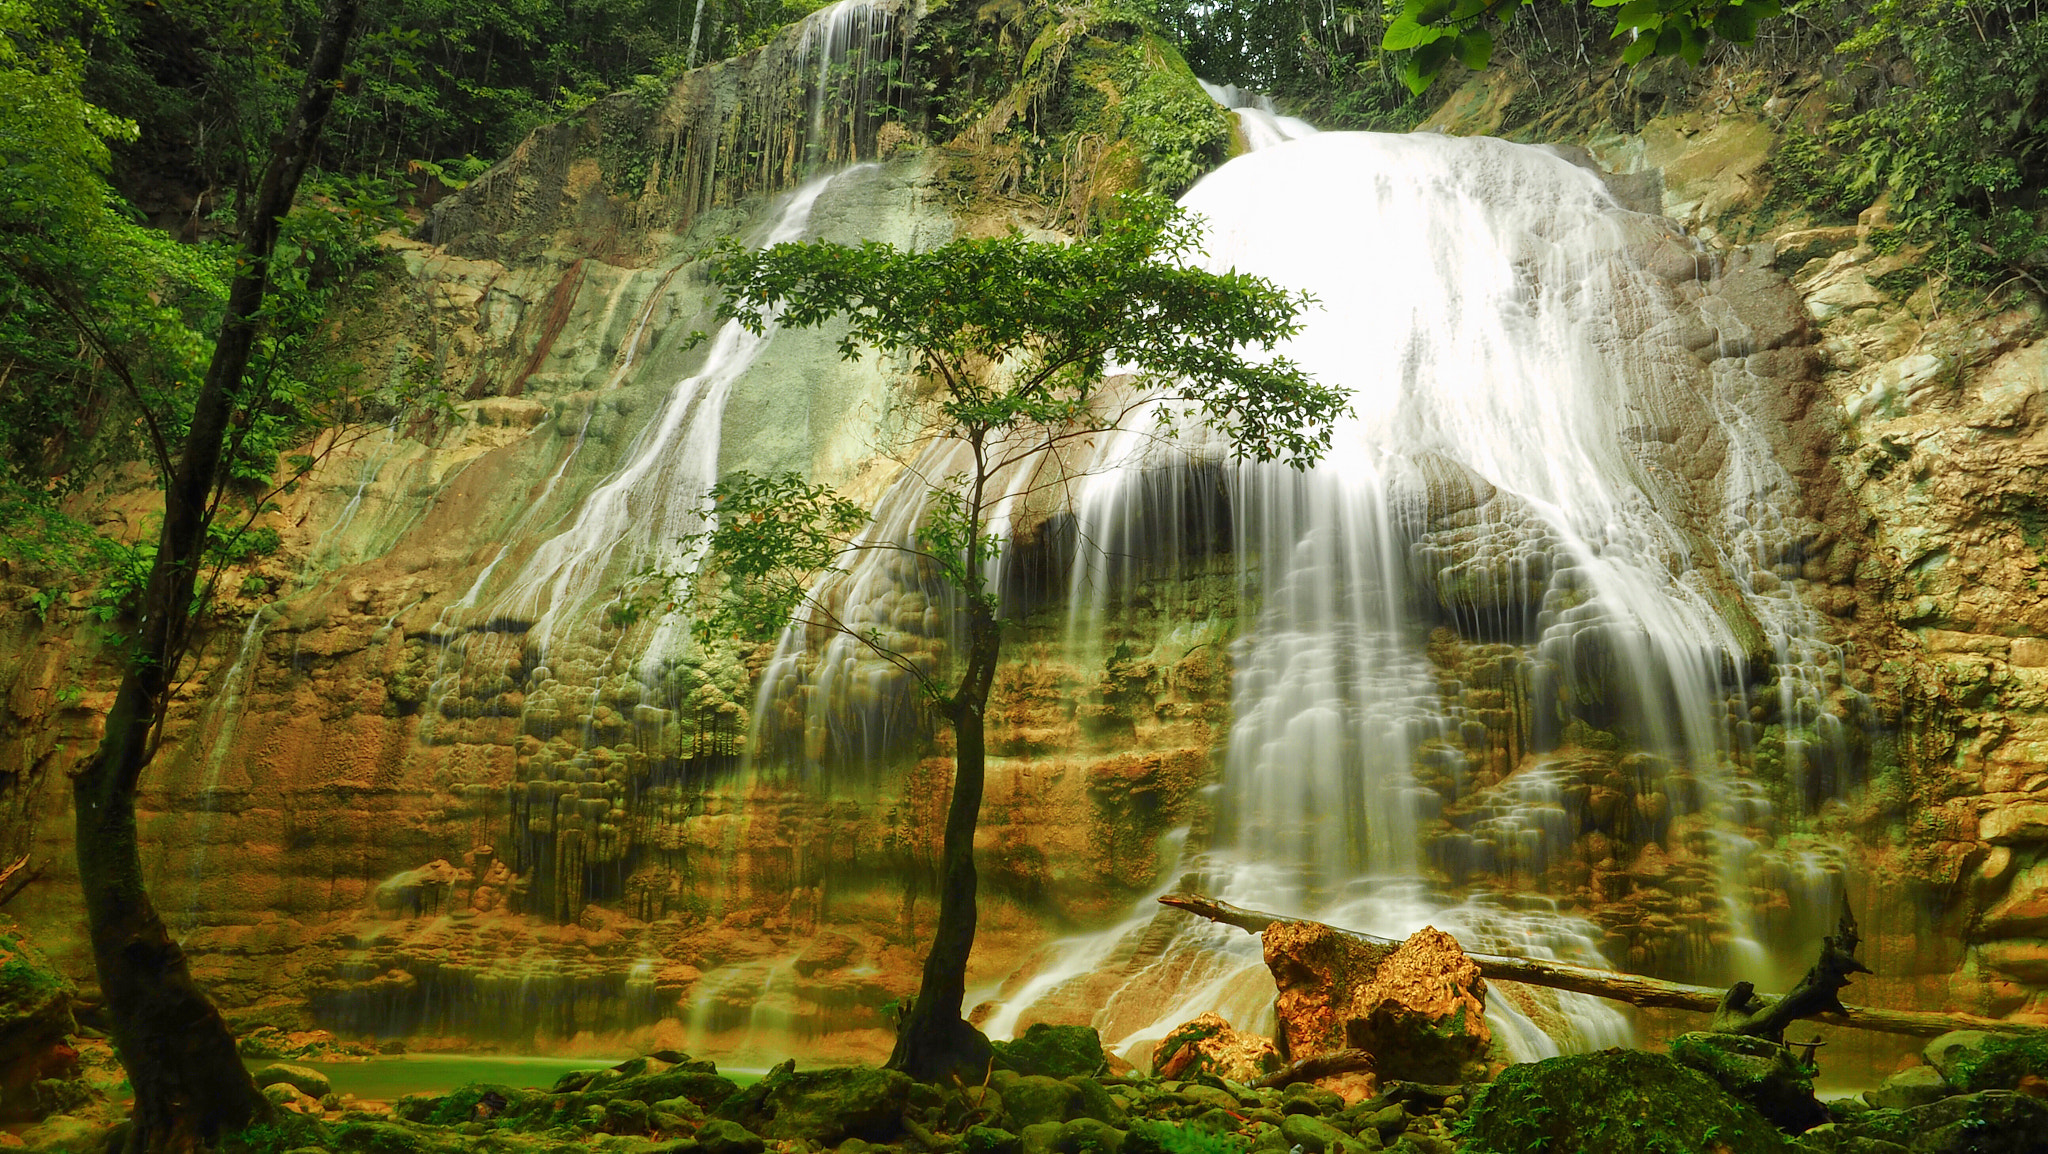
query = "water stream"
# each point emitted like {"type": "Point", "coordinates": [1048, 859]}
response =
{"type": "Point", "coordinates": [1507, 480]}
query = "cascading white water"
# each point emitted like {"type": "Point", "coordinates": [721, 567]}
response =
{"type": "Point", "coordinates": [656, 499]}
{"type": "Point", "coordinates": [1518, 382]}
{"type": "Point", "coordinates": [1261, 122]}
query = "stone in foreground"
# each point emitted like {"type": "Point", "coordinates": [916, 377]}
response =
{"type": "Point", "coordinates": [1615, 1102]}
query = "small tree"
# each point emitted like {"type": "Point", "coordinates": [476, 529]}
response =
{"type": "Point", "coordinates": [1013, 336]}
{"type": "Point", "coordinates": [190, 1084]}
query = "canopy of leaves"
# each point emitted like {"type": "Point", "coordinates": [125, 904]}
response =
{"type": "Point", "coordinates": [105, 323]}
{"type": "Point", "coordinates": [1961, 153]}
{"type": "Point", "coordinates": [1018, 332]}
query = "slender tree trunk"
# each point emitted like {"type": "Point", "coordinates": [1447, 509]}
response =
{"type": "Point", "coordinates": [935, 1040]}
{"type": "Point", "coordinates": [190, 1085]}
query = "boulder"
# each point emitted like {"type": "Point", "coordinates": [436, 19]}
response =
{"type": "Point", "coordinates": [35, 1019]}
{"type": "Point", "coordinates": [1974, 1062]}
{"type": "Point", "coordinates": [1419, 1008]}
{"type": "Point", "coordinates": [1208, 1045]}
{"type": "Point", "coordinates": [1616, 1102]}
{"type": "Point", "coordinates": [990, 1140]}
{"type": "Point", "coordinates": [720, 1136]}
{"type": "Point", "coordinates": [304, 1079]}
{"type": "Point", "coordinates": [1060, 1051]}
{"type": "Point", "coordinates": [1088, 1136]}
{"type": "Point", "coordinates": [1758, 1071]}
{"type": "Point", "coordinates": [1993, 1122]}
{"type": "Point", "coordinates": [1039, 1138]}
{"type": "Point", "coordinates": [1313, 1135]}
{"type": "Point", "coordinates": [824, 1107]}
{"type": "Point", "coordinates": [1031, 1099]}
{"type": "Point", "coordinates": [1950, 1050]}
{"type": "Point", "coordinates": [288, 1096]}
{"type": "Point", "coordinates": [1914, 1086]}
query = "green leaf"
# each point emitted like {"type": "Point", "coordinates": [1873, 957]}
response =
{"type": "Point", "coordinates": [1640, 49]}
{"type": "Point", "coordinates": [1417, 81]}
{"type": "Point", "coordinates": [1638, 14]}
{"type": "Point", "coordinates": [1694, 47]}
{"type": "Point", "coordinates": [1431, 57]}
{"type": "Point", "coordinates": [1762, 9]}
{"type": "Point", "coordinates": [1405, 33]}
{"type": "Point", "coordinates": [1475, 49]}
{"type": "Point", "coordinates": [1608, 3]}
{"type": "Point", "coordinates": [1670, 39]}
{"type": "Point", "coordinates": [1736, 24]}
{"type": "Point", "coordinates": [1433, 11]}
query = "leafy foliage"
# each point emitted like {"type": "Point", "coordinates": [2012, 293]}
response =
{"type": "Point", "coordinates": [1436, 32]}
{"type": "Point", "coordinates": [1961, 154]}
{"type": "Point", "coordinates": [773, 535]}
{"type": "Point", "coordinates": [105, 333]}
{"type": "Point", "coordinates": [1018, 333]}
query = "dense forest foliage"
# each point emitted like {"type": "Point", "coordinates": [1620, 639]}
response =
{"type": "Point", "coordinates": [130, 130]}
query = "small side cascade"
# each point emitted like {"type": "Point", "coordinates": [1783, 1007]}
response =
{"type": "Point", "coordinates": [832, 90]}
{"type": "Point", "coordinates": [1260, 121]}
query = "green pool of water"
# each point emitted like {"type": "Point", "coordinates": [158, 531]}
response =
{"type": "Point", "coordinates": [395, 1077]}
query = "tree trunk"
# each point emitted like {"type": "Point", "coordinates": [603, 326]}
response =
{"type": "Point", "coordinates": [1631, 988]}
{"type": "Point", "coordinates": [190, 1085]}
{"type": "Point", "coordinates": [935, 1041]}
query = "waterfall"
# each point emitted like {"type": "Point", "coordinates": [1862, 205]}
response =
{"type": "Point", "coordinates": [1545, 519]}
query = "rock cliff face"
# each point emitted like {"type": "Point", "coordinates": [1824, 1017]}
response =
{"type": "Point", "coordinates": [439, 788]}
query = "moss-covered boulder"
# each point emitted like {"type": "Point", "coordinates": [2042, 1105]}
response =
{"type": "Point", "coordinates": [35, 1018]}
{"type": "Point", "coordinates": [1613, 1102]}
{"type": "Point", "coordinates": [304, 1079]}
{"type": "Point", "coordinates": [1030, 1099]}
{"type": "Point", "coordinates": [1058, 1051]}
{"type": "Point", "coordinates": [1976, 1061]}
{"type": "Point", "coordinates": [1992, 1122]}
{"type": "Point", "coordinates": [824, 1107]}
{"type": "Point", "coordinates": [1758, 1071]}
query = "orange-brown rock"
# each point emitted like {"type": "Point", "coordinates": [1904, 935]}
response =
{"type": "Point", "coordinates": [1208, 1045]}
{"type": "Point", "coordinates": [1419, 1008]}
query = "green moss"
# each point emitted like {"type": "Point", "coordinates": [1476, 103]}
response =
{"type": "Point", "coordinates": [1060, 1051]}
{"type": "Point", "coordinates": [1612, 1102]}
{"type": "Point", "coordinates": [1151, 1137]}
{"type": "Point", "coordinates": [2001, 1062]}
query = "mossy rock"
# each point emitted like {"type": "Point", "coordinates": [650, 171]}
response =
{"type": "Point", "coordinates": [708, 1091]}
{"type": "Point", "coordinates": [1758, 1071]}
{"type": "Point", "coordinates": [1613, 1102]}
{"type": "Point", "coordinates": [35, 999]}
{"type": "Point", "coordinates": [1999, 1061]}
{"type": "Point", "coordinates": [1992, 1122]}
{"type": "Point", "coordinates": [1033, 1099]}
{"type": "Point", "coordinates": [1058, 1051]}
{"type": "Point", "coordinates": [824, 1107]}
{"type": "Point", "coordinates": [990, 1140]}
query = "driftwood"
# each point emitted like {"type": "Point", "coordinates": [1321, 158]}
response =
{"type": "Point", "coordinates": [1638, 990]}
{"type": "Point", "coordinates": [1817, 994]}
{"type": "Point", "coordinates": [1317, 1067]}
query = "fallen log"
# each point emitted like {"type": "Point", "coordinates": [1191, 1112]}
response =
{"type": "Point", "coordinates": [1316, 1068]}
{"type": "Point", "coordinates": [1635, 989]}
